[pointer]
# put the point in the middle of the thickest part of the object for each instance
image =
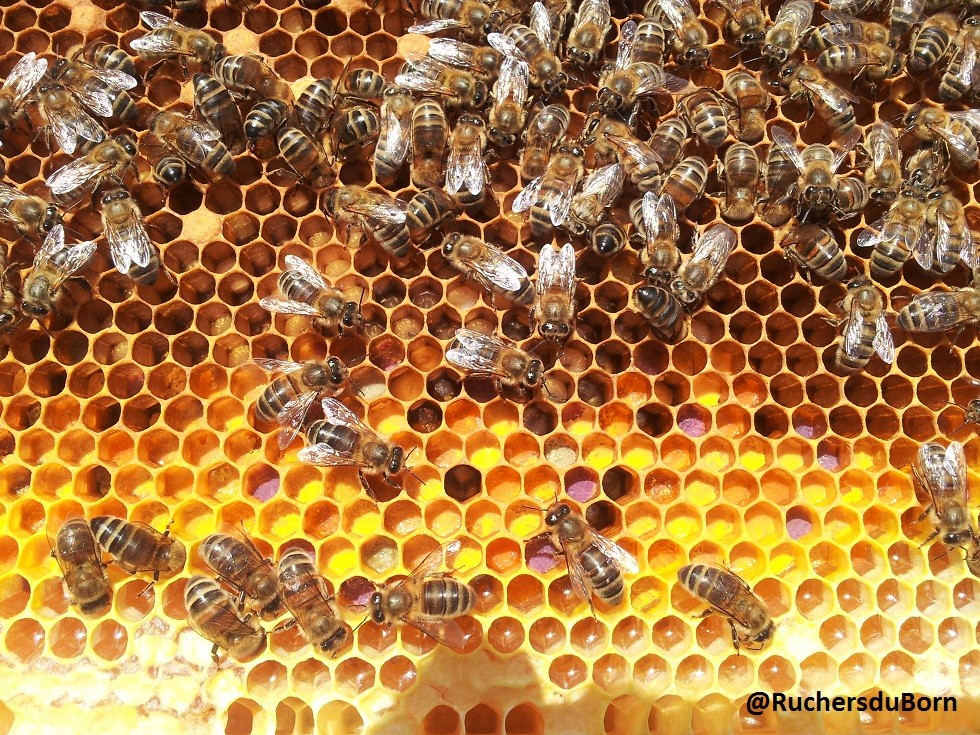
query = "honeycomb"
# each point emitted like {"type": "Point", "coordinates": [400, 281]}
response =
{"type": "Point", "coordinates": [737, 445]}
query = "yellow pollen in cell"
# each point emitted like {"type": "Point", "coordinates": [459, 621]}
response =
{"type": "Point", "coordinates": [642, 525]}
{"type": "Point", "coordinates": [467, 558]}
{"type": "Point", "coordinates": [286, 526]}
{"type": "Point", "coordinates": [720, 529]}
{"type": "Point", "coordinates": [525, 525]}
{"type": "Point", "coordinates": [682, 528]}
{"type": "Point", "coordinates": [502, 427]}
{"type": "Point", "coordinates": [714, 461]}
{"type": "Point", "coordinates": [791, 462]}
{"type": "Point", "coordinates": [342, 563]}
{"type": "Point", "coordinates": [700, 493]}
{"type": "Point", "coordinates": [391, 424]}
{"type": "Point", "coordinates": [753, 461]}
{"type": "Point", "coordinates": [366, 524]}
{"type": "Point", "coordinates": [779, 564]}
{"type": "Point", "coordinates": [600, 457]}
{"type": "Point", "coordinates": [709, 399]}
{"type": "Point", "coordinates": [581, 428]}
{"type": "Point", "coordinates": [431, 490]}
{"type": "Point", "coordinates": [863, 460]}
{"type": "Point", "coordinates": [309, 492]}
{"type": "Point", "coordinates": [485, 457]}
{"type": "Point", "coordinates": [638, 458]}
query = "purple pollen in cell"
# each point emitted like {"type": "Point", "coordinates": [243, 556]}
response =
{"type": "Point", "coordinates": [692, 425]}
{"type": "Point", "coordinates": [582, 491]}
{"type": "Point", "coordinates": [827, 461]}
{"type": "Point", "coordinates": [805, 430]}
{"type": "Point", "coordinates": [267, 490]}
{"type": "Point", "coordinates": [798, 528]}
{"type": "Point", "coordinates": [541, 556]}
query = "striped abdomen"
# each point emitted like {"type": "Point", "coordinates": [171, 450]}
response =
{"type": "Point", "coordinates": [138, 548]}
{"type": "Point", "coordinates": [213, 613]}
{"type": "Point", "coordinates": [862, 351]}
{"type": "Point", "coordinates": [278, 394]}
{"type": "Point", "coordinates": [446, 598]}
{"type": "Point", "coordinates": [604, 575]}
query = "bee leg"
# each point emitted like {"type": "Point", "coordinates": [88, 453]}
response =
{"type": "Point", "coordinates": [735, 638]}
{"type": "Point", "coordinates": [149, 585]}
{"type": "Point", "coordinates": [291, 623]}
{"type": "Point", "coordinates": [241, 601]}
{"type": "Point", "coordinates": [929, 538]}
{"type": "Point", "coordinates": [214, 654]}
{"type": "Point", "coordinates": [152, 70]}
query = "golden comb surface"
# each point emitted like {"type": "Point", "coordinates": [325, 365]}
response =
{"type": "Point", "coordinates": [736, 445]}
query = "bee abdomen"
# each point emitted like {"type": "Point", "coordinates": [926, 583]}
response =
{"type": "Point", "coordinates": [887, 260]}
{"type": "Point", "coordinates": [607, 581]}
{"type": "Point", "coordinates": [446, 598]}
{"type": "Point", "coordinates": [277, 394]}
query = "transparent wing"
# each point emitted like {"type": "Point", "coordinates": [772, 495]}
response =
{"type": "Point", "coordinates": [423, 75]}
{"type": "Point", "coordinates": [451, 51]}
{"type": "Point", "coordinates": [337, 413]}
{"type": "Point", "coordinates": [113, 78]}
{"type": "Point", "coordinates": [605, 183]}
{"type": "Point", "coordinates": [541, 24]}
{"type": "Point", "coordinates": [957, 141]}
{"type": "Point", "coordinates": [787, 144]}
{"type": "Point", "coordinates": [326, 456]}
{"type": "Point", "coordinates": [196, 133]}
{"type": "Point", "coordinates": [528, 196]}
{"type": "Point", "coordinates": [883, 343]}
{"type": "Point", "coordinates": [75, 174]}
{"type": "Point", "coordinates": [378, 208]}
{"type": "Point", "coordinates": [156, 20]}
{"type": "Point", "coordinates": [836, 98]}
{"type": "Point", "coordinates": [660, 216]}
{"type": "Point", "coordinates": [581, 585]}
{"type": "Point", "coordinates": [497, 268]}
{"type": "Point", "coordinates": [847, 144]}
{"type": "Point", "coordinates": [883, 143]}
{"type": "Point", "coordinates": [712, 250]}
{"type": "Point", "coordinates": [395, 134]}
{"type": "Point", "coordinates": [293, 415]}
{"type": "Point", "coordinates": [872, 234]}
{"type": "Point", "coordinates": [854, 329]}
{"type": "Point", "coordinates": [433, 561]}
{"type": "Point", "coordinates": [447, 631]}
{"type": "Point", "coordinates": [954, 462]}
{"type": "Point", "coordinates": [624, 55]}
{"type": "Point", "coordinates": [940, 310]}
{"type": "Point", "coordinates": [129, 243]}
{"type": "Point", "coordinates": [969, 256]}
{"type": "Point", "coordinates": [435, 26]}
{"type": "Point", "coordinates": [556, 270]}
{"type": "Point", "coordinates": [506, 46]}
{"type": "Point", "coordinates": [513, 81]}
{"type": "Point", "coordinates": [278, 366]}
{"type": "Point", "coordinates": [305, 271]}
{"type": "Point", "coordinates": [676, 11]}
{"type": "Point", "coordinates": [465, 166]}
{"type": "Point", "coordinates": [622, 558]}
{"type": "Point", "coordinates": [24, 76]}
{"type": "Point", "coordinates": [71, 258]}
{"type": "Point", "coordinates": [640, 153]}
{"type": "Point", "coordinates": [561, 204]}
{"type": "Point", "coordinates": [279, 306]}
{"type": "Point", "coordinates": [71, 122]}
{"type": "Point", "coordinates": [97, 100]}
{"type": "Point", "coordinates": [797, 13]}
{"type": "Point", "coordinates": [944, 243]}
{"type": "Point", "coordinates": [656, 79]}
{"type": "Point", "coordinates": [594, 11]}
{"type": "Point", "coordinates": [476, 351]}
{"type": "Point", "coordinates": [10, 195]}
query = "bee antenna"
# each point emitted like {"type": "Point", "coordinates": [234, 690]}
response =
{"type": "Point", "coordinates": [354, 629]}
{"type": "Point", "coordinates": [533, 508]}
{"type": "Point", "coordinates": [962, 426]}
{"type": "Point", "coordinates": [356, 387]}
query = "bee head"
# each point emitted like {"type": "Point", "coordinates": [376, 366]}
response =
{"type": "Point", "coordinates": [698, 56]}
{"type": "Point", "coordinates": [958, 538]}
{"type": "Point", "coordinates": [52, 217]}
{"type": "Point", "coordinates": [396, 462]}
{"type": "Point", "coordinates": [554, 331]}
{"type": "Point", "coordinates": [480, 95]}
{"type": "Point", "coordinates": [858, 283]}
{"type": "Point", "coordinates": [556, 85]}
{"type": "Point", "coordinates": [752, 38]}
{"type": "Point", "coordinates": [334, 634]}
{"type": "Point", "coordinates": [449, 244]}
{"type": "Point", "coordinates": [7, 320]}
{"type": "Point", "coordinates": [351, 320]}
{"type": "Point", "coordinates": [377, 611]}
{"type": "Point", "coordinates": [556, 513]}
{"type": "Point", "coordinates": [535, 368]}
{"type": "Point", "coordinates": [128, 143]}
{"type": "Point", "coordinates": [504, 140]}
{"type": "Point", "coordinates": [774, 54]}
{"type": "Point", "coordinates": [337, 370]}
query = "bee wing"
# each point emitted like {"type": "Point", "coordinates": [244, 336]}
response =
{"type": "Point", "coordinates": [24, 76]}
{"type": "Point", "coordinates": [73, 257]}
{"type": "Point", "coordinates": [278, 366]}
{"type": "Point", "coordinates": [380, 209]}
{"type": "Point", "coordinates": [506, 46]}
{"type": "Point", "coordinates": [476, 352]}
{"type": "Point", "coordinates": [326, 456]}
{"type": "Point", "coordinates": [451, 51]}
{"type": "Point", "coordinates": [908, 10]}
{"type": "Point", "coordinates": [944, 243]}
{"type": "Point", "coordinates": [279, 306]}
{"type": "Point", "coordinates": [914, 238]}
{"type": "Point", "coordinates": [423, 75]}
{"type": "Point", "coordinates": [617, 554]}
{"type": "Point", "coordinates": [306, 271]}
{"type": "Point", "coordinates": [435, 26]}
{"type": "Point", "coordinates": [640, 153]}
{"type": "Point", "coordinates": [528, 196]}
{"type": "Point", "coordinates": [954, 462]}
{"type": "Point", "coordinates": [883, 143]}
{"type": "Point", "coordinates": [513, 81]}
{"type": "Point", "coordinates": [659, 216]}
{"type": "Point", "coordinates": [446, 631]}
{"type": "Point", "coordinates": [838, 28]}
{"type": "Point", "coordinates": [75, 174]}
{"type": "Point", "coordinates": [337, 413]}
{"type": "Point", "coordinates": [798, 14]}
{"type": "Point", "coordinates": [72, 123]}
{"type": "Point", "coordinates": [846, 146]}
{"type": "Point", "coordinates": [853, 329]}
{"type": "Point", "coordinates": [969, 256]}
{"type": "Point", "coordinates": [940, 310]}
{"type": "Point", "coordinates": [156, 20]}
{"type": "Point", "coordinates": [465, 166]}
{"type": "Point", "coordinates": [9, 196]}
{"type": "Point", "coordinates": [497, 268]}
{"type": "Point", "coordinates": [193, 133]}
{"type": "Point", "coordinates": [624, 55]}
{"type": "Point", "coordinates": [661, 80]}
{"type": "Point", "coordinates": [835, 97]}
{"type": "Point", "coordinates": [113, 78]}
{"type": "Point", "coordinates": [556, 270]}
{"type": "Point", "coordinates": [395, 133]}
{"type": "Point", "coordinates": [957, 141]}
{"type": "Point", "coordinates": [433, 561]}
{"type": "Point", "coordinates": [676, 11]}
{"type": "Point", "coordinates": [562, 203]}
{"type": "Point", "coordinates": [97, 100]}
{"type": "Point", "coordinates": [872, 234]}
{"type": "Point", "coordinates": [606, 183]}
{"type": "Point", "coordinates": [129, 243]}
{"type": "Point", "coordinates": [883, 343]}
{"type": "Point", "coordinates": [594, 11]}
{"type": "Point", "coordinates": [787, 144]}
{"type": "Point", "coordinates": [540, 23]}
{"type": "Point", "coordinates": [293, 415]}
{"type": "Point", "coordinates": [713, 249]}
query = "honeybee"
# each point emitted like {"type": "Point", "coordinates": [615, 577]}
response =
{"type": "Point", "coordinates": [639, 160]}
{"type": "Point", "coordinates": [508, 112]}
{"type": "Point", "coordinates": [752, 101]}
{"type": "Point", "coordinates": [427, 210]}
{"type": "Point", "coordinates": [343, 440]}
{"type": "Point", "coordinates": [624, 87]}
{"type": "Point", "coordinates": [690, 39]}
{"type": "Point", "coordinates": [169, 170]}
{"type": "Point", "coordinates": [926, 169]}
{"type": "Point", "coordinates": [54, 264]}
{"type": "Point", "coordinates": [129, 244]}
{"type": "Point", "coordinates": [816, 188]}
{"type": "Point", "coordinates": [430, 133]}
{"type": "Point", "coordinates": [363, 213]}
{"type": "Point", "coordinates": [783, 38]}
{"type": "Point", "coordinates": [10, 313]}
{"type": "Point", "coordinates": [935, 125]}
{"type": "Point", "coordinates": [705, 113]}
{"type": "Point", "coordinates": [534, 45]}
{"type": "Point", "coordinates": [648, 38]}
{"type": "Point", "coordinates": [248, 74]}
{"type": "Point", "coordinates": [304, 592]}
{"type": "Point", "coordinates": [305, 156]}
{"type": "Point", "coordinates": [962, 76]}
{"type": "Point", "coordinates": [949, 230]}
{"type": "Point", "coordinates": [169, 39]}
{"type": "Point", "coordinates": [932, 41]}
{"type": "Point", "coordinates": [829, 101]}
{"type": "Point", "coordinates": [363, 84]}
{"type": "Point", "coordinates": [105, 56]}
{"type": "Point", "coordinates": [663, 312]}
{"type": "Point", "coordinates": [465, 166]}
{"type": "Point", "coordinates": [470, 16]}
{"type": "Point", "coordinates": [668, 141]}
{"type": "Point", "coordinates": [265, 118]}
{"type": "Point", "coordinates": [554, 293]}
{"type": "Point", "coordinates": [314, 107]}
{"type": "Point", "coordinates": [853, 196]}
{"type": "Point", "coordinates": [80, 176]}
{"type": "Point", "coordinates": [780, 176]}
{"type": "Point", "coordinates": [874, 62]}
{"type": "Point", "coordinates": [426, 600]}
{"type": "Point", "coordinates": [598, 128]}
{"type": "Point", "coordinates": [685, 183]}
{"type": "Point", "coordinates": [814, 249]}
{"type": "Point", "coordinates": [549, 197]}
{"type": "Point", "coordinates": [883, 173]}
{"type": "Point", "coordinates": [241, 565]}
{"type": "Point", "coordinates": [844, 28]}
{"type": "Point", "coordinates": [137, 547]}
{"type": "Point", "coordinates": [216, 106]}
{"type": "Point", "coordinates": [866, 331]}
{"type": "Point", "coordinates": [903, 15]}
{"type": "Point", "coordinates": [729, 595]}
{"type": "Point", "coordinates": [213, 614]}
{"type": "Point", "coordinates": [81, 564]}
{"type": "Point", "coordinates": [457, 86]}
{"type": "Point", "coordinates": [595, 564]}
{"type": "Point", "coordinates": [31, 215]}
{"type": "Point", "coordinates": [655, 221]}
{"type": "Point", "coordinates": [103, 91]}
{"type": "Point", "coordinates": [705, 265]}
{"type": "Point", "coordinates": [939, 311]}
{"type": "Point", "coordinates": [600, 190]}
{"type": "Point", "coordinates": [197, 143]}
{"type": "Point", "coordinates": [305, 292]}
{"type": "Point", "coordinates": [607, 239]}
{"type": "Point", "coordinates": [18, 85]}
{"type": "Point", "coordinates": [66, 118]}
{"type": "Point", "coordinates": [510, 366]}
{"type": "Point", "coordinates": [540, 138]}
{"type": "Point", "coordinates": [353, 128]}
{"type": "Point", "coordinates": [394, 137]}
{"type": "Point", "coordinates": [746, 21]}
{"type": "Point", "coordinates": [288, 398]}
{"type": "Point", "coordinates": [489, 266]}
{"type": "Point", "coordinates": [588, 34]}
{"type": "Point", "coordinates": [482, 60]}
{"type": "Point", "coordinates": [942, 472]}
{"type": "Point", "coordinates": [899, 234]}
{"type": "Point", "coordinates": [740, 173]}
